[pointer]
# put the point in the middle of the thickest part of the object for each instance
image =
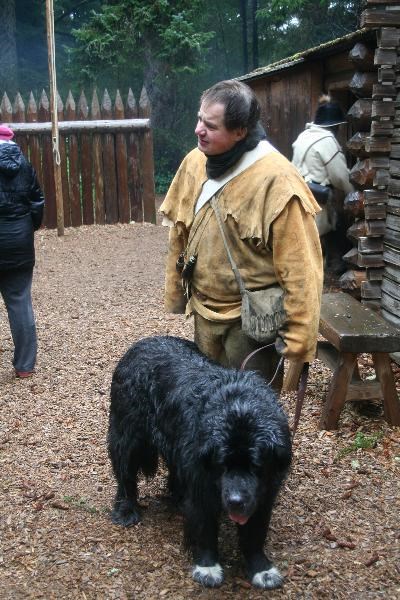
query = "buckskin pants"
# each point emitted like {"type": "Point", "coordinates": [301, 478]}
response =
{"type": "Point", "coordinates": [15, 287]}
{"type": "Point", "coordinates": [228, 345]}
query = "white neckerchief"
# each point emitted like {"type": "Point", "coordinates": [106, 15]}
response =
{"type": "Point", "coordinates": [211, 186]}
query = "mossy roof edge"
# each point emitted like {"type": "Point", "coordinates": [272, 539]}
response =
{"type": "Point", "coordinates": [324, 49]}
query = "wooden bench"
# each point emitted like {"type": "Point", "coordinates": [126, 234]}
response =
{"type": "Point", "coordinates": [350, 329]}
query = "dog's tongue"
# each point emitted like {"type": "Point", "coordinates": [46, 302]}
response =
{"type": "Point", "coordinates": [240, 519]}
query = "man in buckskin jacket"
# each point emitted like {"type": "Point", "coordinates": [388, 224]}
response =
{"type": "Point", "coordinates": [269, 217]}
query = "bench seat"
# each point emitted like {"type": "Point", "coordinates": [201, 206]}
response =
{"type": "Point", "coordinates": [350, 329]}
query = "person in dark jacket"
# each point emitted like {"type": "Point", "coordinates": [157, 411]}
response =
{"type": "Point", "coordinates": [21, 212]}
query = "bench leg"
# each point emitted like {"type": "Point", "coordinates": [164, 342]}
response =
{"type": "Point", "coordinates": [337, 392]}
{"type": "Point", "coordinates": [356, 373]}
{"type": "Point", "coordinates": [384, 374]}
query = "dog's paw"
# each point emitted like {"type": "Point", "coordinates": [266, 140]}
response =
{"type": "Point", "coordinates": [208, 576]}
{"type": "Point", "coordinates": [268, 580]}
{"type": "Point", "coordinates": [125, 515]}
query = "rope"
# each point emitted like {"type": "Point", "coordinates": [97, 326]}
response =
{"type": "Point", "coordinates": [53, 82]}
{"type": "Point", "coordinates": [301, 388]}
{"type": "Point", "coordinates": [249, 356]}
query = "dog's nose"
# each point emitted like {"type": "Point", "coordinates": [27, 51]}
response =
{"type": "Point", "coordinates": [235, 503]}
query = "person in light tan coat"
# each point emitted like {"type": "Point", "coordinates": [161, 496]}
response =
{"type": "Point", "coordinates": [269, 215]}
{"type": "Point", "coordinates": [319, 158]}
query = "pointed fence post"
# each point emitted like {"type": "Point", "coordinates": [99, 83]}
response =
{"type": "Point", "coordinates": [110, 190]}
{"type": "Point", "coordinates": [33, 140]}
{"type": "Point", "coordinates": [74, 188]}
{"type": "Point", "coordinates": [86, 164]}
{"type": "Point", "coordinates": [147, 163]}
{"type": "Point", "coordinates": [135, 196]}
{"type": "Point", "coordinates": [6, 109]}
{"type": "Point", "coordinates": [99, 210]}
{"type": "Point", "coordinates": [19, 117]}
{"type": "Point", "coordinates": [122, 166]}
{"type": "Point", "coordinates": [64, 166]}
{"type": "Point", "coordinates": [50, 208]}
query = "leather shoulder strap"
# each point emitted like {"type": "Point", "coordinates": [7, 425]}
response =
{"type": "Point", "coordinates": [214, 204]}
{"type": "Point", "coordinates": [313, 144]}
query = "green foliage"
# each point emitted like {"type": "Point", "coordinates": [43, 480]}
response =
{"type": "Point", "coordinates": [162, 180]}
{"type": "Point", "coordinates": [80, 503]}
{"type": "Point", "coordinates": [161, 36]}
{"type": "Point", "coordinates": [289, 26]}
{"type": "Point", "coordinates": [32, 43]}
{"type": "Point", "coordinates": [361, 442]}
{"type": "Point", "coordinates": [173, 139]}
{"type": "Point", "coordinates": [159, 44]}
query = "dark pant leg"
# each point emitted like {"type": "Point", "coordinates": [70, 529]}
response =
{"type": "Point", "coordinates": [15, 287]}
{"type": "Point", "coordinates": [209, 335]}
{"type": "Point", "coordinates": [238, 346]}
{"type": "Point", "coordinates": [227, 344]}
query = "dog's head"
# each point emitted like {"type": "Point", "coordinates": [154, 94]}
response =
{"type": "Point", "coordinates": [248, 447]}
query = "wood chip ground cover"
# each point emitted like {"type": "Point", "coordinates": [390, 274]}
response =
{"type": "Point", "coordinates": [335, 530]}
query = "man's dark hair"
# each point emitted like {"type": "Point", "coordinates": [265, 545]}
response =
{"type": "Point", "coordinates": [241, 105]}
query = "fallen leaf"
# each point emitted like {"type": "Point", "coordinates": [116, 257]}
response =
{"type": "Point", "coordinates": [346, 495]}
{"type": "Point", "coordinates": [372, 560]}
{"type": "Point", "coordinates": [351, 485]}
{"type": "Point", "coordinates": [60, 505]}
{"type": "Point", "coordinates": [243, 583]}
{"type": "Point", "coordinates": [328, 535]}
{"type": "Point", "coordinates": [344, 544]}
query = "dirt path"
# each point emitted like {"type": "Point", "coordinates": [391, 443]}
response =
{"type": "Point", "coordinates": [335, 529]}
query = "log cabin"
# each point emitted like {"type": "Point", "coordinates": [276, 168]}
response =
{"type": "Point", "coordinates": [362, 72]}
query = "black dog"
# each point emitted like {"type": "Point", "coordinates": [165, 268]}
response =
{"type": "Point", "coordinates": [224, 439]}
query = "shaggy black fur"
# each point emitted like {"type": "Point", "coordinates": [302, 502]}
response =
{"type": "Point", "coordinates": [224, 439]}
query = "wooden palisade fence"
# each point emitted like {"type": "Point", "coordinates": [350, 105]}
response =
{"type": "Point", "coordinates": [106, 156]}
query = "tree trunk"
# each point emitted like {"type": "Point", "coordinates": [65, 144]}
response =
{"type": "Point", "coordinates": [254, 8]}
{"type": "Point", "coordinates": [243, 16]}
{"type": "Point", "coordinates": [8, 48]}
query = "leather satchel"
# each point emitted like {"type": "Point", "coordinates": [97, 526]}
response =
{"type": "Point", "coordinates": [320, 192]}
{"type": "Point", "coordinates": [262, 311]}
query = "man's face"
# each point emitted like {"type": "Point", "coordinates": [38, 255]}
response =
{"type": "Point", "coordinates": [212, 135]}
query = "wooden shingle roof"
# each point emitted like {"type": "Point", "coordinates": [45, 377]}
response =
{"type": "Point", "coordinates": [330, 47]}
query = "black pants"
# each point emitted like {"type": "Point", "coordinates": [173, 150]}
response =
{"type": "Point", "coordinates": [15, 288]}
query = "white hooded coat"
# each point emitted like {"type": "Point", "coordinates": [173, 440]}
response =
{"type": "Point", "coordinates": [318, 157]}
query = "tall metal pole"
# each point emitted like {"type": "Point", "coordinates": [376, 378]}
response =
{"type": "Point", "coordinates": [54, 116]}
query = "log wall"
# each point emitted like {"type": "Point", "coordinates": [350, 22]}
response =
{"type": "Point", "coordinates": [367, 229]}
{"type": "Point", "coordinates": [379, 248]}
{"type": "Point", "coordinates": [106, 152]}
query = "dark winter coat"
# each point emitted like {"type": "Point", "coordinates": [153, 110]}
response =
{"type": "Point", "coordinates": [21, 208]}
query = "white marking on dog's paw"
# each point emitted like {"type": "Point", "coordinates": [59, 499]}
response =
{"type": "Point", "coordinates": [268, 580]}
{"type": "Point", "coordinates": [208, 576]}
